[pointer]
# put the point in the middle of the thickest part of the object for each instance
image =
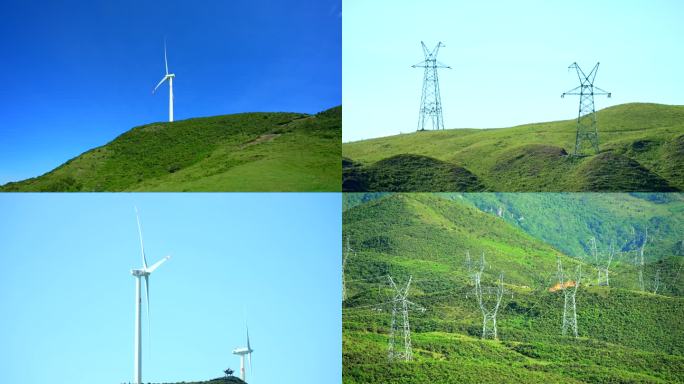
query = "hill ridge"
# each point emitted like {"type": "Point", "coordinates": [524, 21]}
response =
{"type": "Point", "coordinates": [647, 139]}
{"type": "Point", "coordinates": [208, 154]}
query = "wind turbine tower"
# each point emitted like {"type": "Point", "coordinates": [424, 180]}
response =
{"type": "Point", "coordinates": [430, 100]}
{"type": "Point", "coordinates": [587, 131]}
{"type": "Point", "coordinates": [242, 351]}
{"type": "Point", "coordinates": [168, 76]}
{"type": "Point", "coordinates": [145, 272]}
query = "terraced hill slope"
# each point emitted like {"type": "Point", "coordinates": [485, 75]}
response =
{"type": "Point", "coordinates": [626, 335]}
{"type": "Point", "coordinates": [242, 152]}
{"type": "Point", "coordinates": [642, 149]}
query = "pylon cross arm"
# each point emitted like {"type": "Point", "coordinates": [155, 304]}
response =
{"type": "Point", "coordinates": [415, 306]}
{"type": "Point", "coordinates": [599, 91]}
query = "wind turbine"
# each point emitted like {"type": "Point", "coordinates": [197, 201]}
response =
{"type": "Point", "coordinates": [169, 77]}
{"type": "Point", "coordinates": [242, 351]}
{"type": "Point", "coordinates": [145, 272]}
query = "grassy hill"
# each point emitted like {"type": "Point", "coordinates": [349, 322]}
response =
{"type": "Point", "coordinates": [642, 149]}
{"type": "Point", "coordinates": [626, 336]}
{"type": "Point", "coordinates": [241, 152]}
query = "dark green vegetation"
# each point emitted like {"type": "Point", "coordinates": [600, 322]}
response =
{"type": "Point", "coordinates": [409, 172]}
{"type": "Point", "coordinates": [642, 149]}
{"type": "Point", "coordinates": [242, 152]}
{"type": "Point", "coordinates": [625, 335]}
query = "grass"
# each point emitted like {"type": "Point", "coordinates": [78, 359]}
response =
{"type": "Point", "coordinates": [642, 149]}
{"type": "Point", "coordinates": [626, 336]}
{"type": "Point", "coordinates": [242, 152]}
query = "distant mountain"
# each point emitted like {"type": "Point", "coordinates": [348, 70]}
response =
{"type": "Point", "coordinates": [241, 152]}
{"type": "Point", "coordinates": [619, 218]}
{"type": "Point", "coordinates": [642, 149]}
{"type": "Point", "coordinates": [625, 335]}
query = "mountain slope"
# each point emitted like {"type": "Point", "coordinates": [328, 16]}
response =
{"type": "Point", "coordinates": [642, 149]}
{"type": "Point", "coordinates": [242, 152]}
{"type": "Point", "coordinates": [625, 335]}
{"type": "Point", "coordinates": [609, 217]}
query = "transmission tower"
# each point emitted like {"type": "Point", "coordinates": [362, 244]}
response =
{"type": "Point", "coordinates": [401, 303]}
{"type": "Point", "coordinates": [488, 312]}
{"type": "Point", "coordinates": [430, 100]}
{"type": "Point", "coordinates": [468, 262]}
{"type": "Point", "coordinates": [603, 269]}
{"type": "Point", "coordinates": [344, 263]}
{"type": "Point", "coordinates": [656, 282]}
{"type": "Point", "coordinates": [569, 292]}
{"type": "Point", "coordinates": [587, 131]}
{"type": "Point", "coordinates": [640, 259]}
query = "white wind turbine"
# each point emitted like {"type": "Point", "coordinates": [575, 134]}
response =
{"type": "Point", "coordinates": [242, 351]}
{"type": "Point", "coordinates": [169, 77]}
{"type": "Point", "coordinates": [145, 272]}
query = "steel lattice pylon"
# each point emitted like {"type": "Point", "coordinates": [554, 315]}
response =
{"type": "Point", "coordinates": [569, 296]}
{"type": "Point", "coordinates": [430, 100]}
{"type": "Point", "coordinates": [587, 131]}
{"type": "Point", "coordinates": [348, 250]}
{"type": "Point", "coordinates": [489, 313]}
{"type": "Point", "coordinates": [400, 302]}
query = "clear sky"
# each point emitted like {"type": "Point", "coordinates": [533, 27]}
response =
{"type": "Point", "coordinates": [68, 297]}
{"type": "Point", "coordinates": [76, 74]}
{"type": "Point", "coordinates": [509, 59]}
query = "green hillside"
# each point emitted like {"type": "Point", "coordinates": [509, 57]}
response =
{"type": "Point", "coordinates": [242, 152]}
{"type": "Point", "coordinates": [642, 149]}
{"type": "Point", "coordinates": [609, 217]}
{"type": "Point", "coordinates": [625, 335]}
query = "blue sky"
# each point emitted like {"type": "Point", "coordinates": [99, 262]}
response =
{"type": "Point", "coordinates": [76, 74]}
{"type": "Point", "coordinates": [68, 296]}
{"type": "Point", "coordinates": [509, 59]}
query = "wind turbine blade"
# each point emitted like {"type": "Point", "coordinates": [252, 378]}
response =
{"type": "Point", "coordinates": [160, 83]}
{"type": "Point", "coordinates": [249, 349]}
{"type": "Point", "coordinates": [156, 265]}
{"type": "Point", "coordinates": [250, 363]}
{"type": "Point", "coordinates": [142, 246]}
{"type": "Point", "coordinates": [248, 346]}
{"type": "Point", "coordinates": [166, 64]}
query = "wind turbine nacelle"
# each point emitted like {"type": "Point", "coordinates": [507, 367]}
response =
{"type": "Point", "coordinates": [139, 272]}
{"type": "Point", "coordinates": [171, 75]}
{"type": "Point", "coordinates": [241, 351]}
